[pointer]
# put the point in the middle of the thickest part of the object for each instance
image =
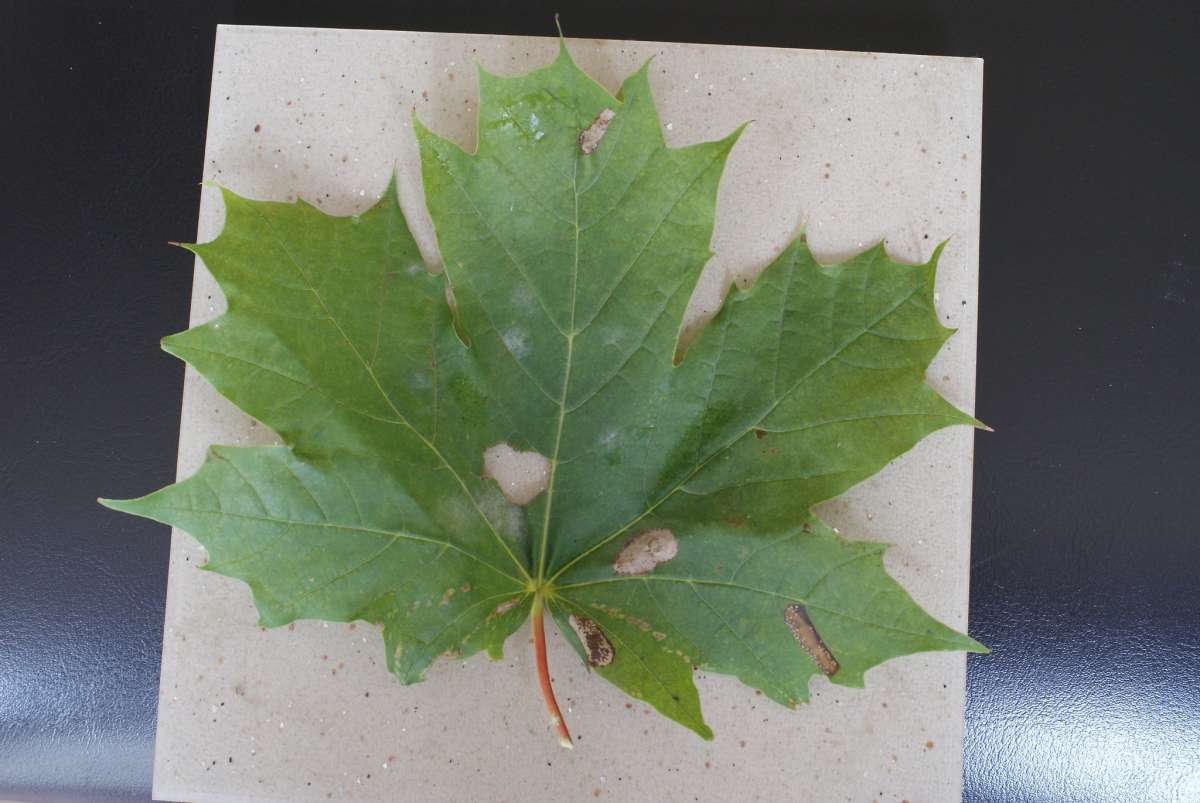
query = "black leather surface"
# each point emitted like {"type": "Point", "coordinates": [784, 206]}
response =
{"type": "Point", "coordinates": [1084, 579]}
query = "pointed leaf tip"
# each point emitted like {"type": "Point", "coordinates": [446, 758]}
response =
{"type": "Point", "coordinates": [119, 505]}
{"type": "Point", "coordinates": [736, 134]}
{"type": "Point", "coordinates": [936, 256]}
{"type": "Point", "coordinates": [564, 52]}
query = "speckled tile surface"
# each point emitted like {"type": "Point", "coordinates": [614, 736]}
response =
{"type": "Point", "coordinates": [854, 147]}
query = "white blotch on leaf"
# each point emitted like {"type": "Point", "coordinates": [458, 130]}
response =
{"type": "Point", "coordinates": [507, 518]}
{"type": "Point", "coordinates": [645, 551]}
{"type": "Point", "coordinates": [516, 340]}
{"type": "Point", "coordinates": [522, 298]}
{"type": "Point", "coordinates": [520, 475]}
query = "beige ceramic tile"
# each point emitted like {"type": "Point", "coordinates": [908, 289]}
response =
{"type": "Point", "coordinates": [854, 147]}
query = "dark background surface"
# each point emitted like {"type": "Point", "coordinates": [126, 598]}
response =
{"type": "Point", "coordinates": [1085, 554]}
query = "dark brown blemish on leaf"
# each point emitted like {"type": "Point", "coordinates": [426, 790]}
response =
{"type": "Point", "coordinates": [599, 649]}
{"type": "Point", "coordinates": [760, 434]}
{"type": "Point", "coordinates": [589, 138]}
{"type": "Point", "coordinates": [808, 638]}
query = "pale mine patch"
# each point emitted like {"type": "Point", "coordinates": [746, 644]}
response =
{"type": "Point", "coordinates": [589, 138]}
{"type": "Point", "coordinates": [597, 646]}
{"type": "Point", "coordinates": [645, 551]}
{"type": "Point", "coordinates": [520, 475]}
{"type": "Point", "coordinates": [504, 607]}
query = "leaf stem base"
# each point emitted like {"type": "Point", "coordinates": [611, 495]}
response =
{"type": "Point", "coordinates": [543, 670]}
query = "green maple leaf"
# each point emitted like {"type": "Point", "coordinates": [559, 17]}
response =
{"type": "Point", "coordinates": [674, 530]}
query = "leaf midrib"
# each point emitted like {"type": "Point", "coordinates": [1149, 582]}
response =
{"type": "Point", "coordinates": [572, 333]}
{"type": "Point", "coordinates": [566, 385]}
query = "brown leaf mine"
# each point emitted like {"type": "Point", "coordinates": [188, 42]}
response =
{"type": "Point", "coordinates": [589, 138]}
{"type": "Point", "coordinates": [808, 638]}
{"type": "Point", "coordinates": [645, 551]}
{"type": "Point", "coordinates": [597, 646]}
